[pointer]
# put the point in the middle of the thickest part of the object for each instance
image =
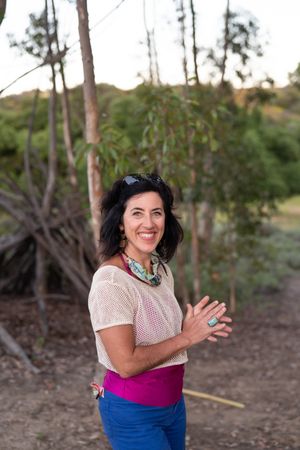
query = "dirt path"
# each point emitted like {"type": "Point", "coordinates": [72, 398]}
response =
{"type": "Point", "coordinates": [258, 366]}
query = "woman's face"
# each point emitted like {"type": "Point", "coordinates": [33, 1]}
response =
{"type": "Point", "coordinates": [144, 224]}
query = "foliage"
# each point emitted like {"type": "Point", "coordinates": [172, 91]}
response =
{"type": "Point", "coordinates": [239, 42]}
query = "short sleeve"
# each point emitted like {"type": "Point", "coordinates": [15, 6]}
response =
{"type": "Point", "coordinates": [110, 305]}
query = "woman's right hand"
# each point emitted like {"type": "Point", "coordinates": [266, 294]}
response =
{"type": "Point", "coordinates": [195, 325]}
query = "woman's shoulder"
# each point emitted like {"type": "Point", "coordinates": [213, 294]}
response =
{"type": "Point", "coordinates": [110, 273]}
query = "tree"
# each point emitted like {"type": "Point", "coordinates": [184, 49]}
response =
{"type": "Point", "coordinates": [91, 117]}
{"type": "Point", "coordinates": [239, 39]}
{"type": "Point", "coordinates": [189, 134]}
{"type": "Point", "coordinates": [65, 110]}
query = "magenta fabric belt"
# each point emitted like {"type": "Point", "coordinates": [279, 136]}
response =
{"type": "Point", "coordinates": [157, 387]}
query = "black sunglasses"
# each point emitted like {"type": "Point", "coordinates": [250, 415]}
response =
{"type": "Point", "coordinates": [138, 177]}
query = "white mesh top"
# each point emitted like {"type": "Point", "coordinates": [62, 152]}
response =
{"type": "Point", "coordinates": [117, 298]}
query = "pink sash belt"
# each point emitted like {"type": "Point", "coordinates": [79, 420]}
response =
{"type": "Point", "coordinates": [158, 387]}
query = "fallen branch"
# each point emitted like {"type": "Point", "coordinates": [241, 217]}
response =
{"type": "Point", "coordinates": [11, 346]}
{"type": "Point", "coordinates": [213, 398]}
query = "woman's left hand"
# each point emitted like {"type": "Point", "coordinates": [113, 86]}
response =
{"type": "Point", "coordinates": [225, 319]}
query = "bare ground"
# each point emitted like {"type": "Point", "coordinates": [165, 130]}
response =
{"type": "Point", "coordinates": [257, 366]}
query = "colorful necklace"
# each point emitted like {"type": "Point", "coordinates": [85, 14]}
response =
{"type": "Point", "coordinates": [153, 279]}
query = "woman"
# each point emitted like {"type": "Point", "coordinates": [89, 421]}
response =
{"type": "Point", "coordinates": [140, 336]}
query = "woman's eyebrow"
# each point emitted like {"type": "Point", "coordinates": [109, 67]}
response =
{"type": "Point", "coordinates": [136, 208]}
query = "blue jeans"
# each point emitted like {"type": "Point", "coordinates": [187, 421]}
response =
{"type": "Point", "coordinates": [131, 426]}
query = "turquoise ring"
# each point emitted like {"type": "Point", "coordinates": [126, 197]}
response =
{"type": "Point", "coordinates": [212, 322]}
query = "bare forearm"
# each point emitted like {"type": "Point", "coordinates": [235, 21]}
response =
{"type": "Point", "coordinates": [148, 357]}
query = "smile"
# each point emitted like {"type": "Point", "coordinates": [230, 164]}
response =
{"type": "Point", "coordinates": [147, 235]}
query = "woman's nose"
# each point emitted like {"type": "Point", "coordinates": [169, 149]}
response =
{"type": "Point", "coordinates": [148, 221]}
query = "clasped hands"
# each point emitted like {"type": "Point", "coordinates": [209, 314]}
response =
{"type": "Point", "coordinates": [195, 325]}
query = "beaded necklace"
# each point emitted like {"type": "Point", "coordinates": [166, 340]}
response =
{"type": "Point", "coordinates": [153, 279]}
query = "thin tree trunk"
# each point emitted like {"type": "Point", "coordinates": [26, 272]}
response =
{"type": "Point", "coordinates": [52, 159]}
{"type": "Point", "coordinates": [155, 55]}
{"type": "Point", "coordinates": [206, 223]}
{"type": "Point", "coordinates": [226, 43]}
{"type": "Point", "coordinates": [40, 287]}
{"type": "Point", "coordinates": [41, 262]}
{"type": "Point", "coordinates": [180, 272]}
{"type": "Point", "coordinates": [180, 264]}
{"type": "Point", "coordinates": [91, 117]}
{"type": "Point", "coordinates": [183, 44]}
{"type": "Point", "coordinates": [40, 271]}
{"type": "Point", "coordinates": [195, 49]}
{"type": "Point", "coordinates": [149, 47]}
{"type": "Point", "coordinates": [191, 156]}
{"type": "Point", "coordinates": [207, 210]}
{"type": "Point", "coordinates": [232, 286]}
{"type": "Point", "coordinates": [66, 113]}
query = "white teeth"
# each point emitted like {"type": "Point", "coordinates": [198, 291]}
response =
{"type": "Point", "coordinates": [147, 235]}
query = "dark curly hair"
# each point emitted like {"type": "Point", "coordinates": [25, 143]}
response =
{"type": "Point", "coordinates": [113, 206]}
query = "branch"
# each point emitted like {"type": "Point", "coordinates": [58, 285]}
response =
{"type": "Point", "coordinates": [12, 346]}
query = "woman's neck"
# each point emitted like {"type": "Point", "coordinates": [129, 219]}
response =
{"type": "Point", "coordinates": [143, 259]}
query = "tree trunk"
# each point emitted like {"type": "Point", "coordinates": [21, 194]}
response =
{"type": "Point", "coordinates": [180, 264]}
{"type": "Point", "coordinates": [207, 210]}
{"type": "Point", "coordinates": [66, 113]}
{"type": "Point", "coordinates": [191, 156]}
{"type": "Point", "coordinates": [182, 30]}
{"type": "Point", "coordinates": [180, 272]}
{"type": "Point", "coordinates": [232, 286]}
{"type": "Point", "coordinates": [232, 269]}
{"type": "Point", "coordinates": [40, 270]}
{"type": "Point", "coordinates": [52, 159]}
{"type": "Point", "coordinates": [91, 117]}
{"type": "Point", "coordinates": [40, 287]}
{"type": "Point", "coordinates": [226, 43]}
{"type": "Point", "coordinates": [206, 224]}
{"type": "Point", "coordinates": [149, 47]}
{"type": "Point", "coordinates": [195, 49]}
{"type": "Point", "coordinates": [157, 72]}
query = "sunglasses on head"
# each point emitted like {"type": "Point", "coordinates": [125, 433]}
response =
{"type": "Point", "coordinates": [138, 177]}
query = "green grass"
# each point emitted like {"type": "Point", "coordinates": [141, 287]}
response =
{"type": "Point", "coordinates": [288, 215]}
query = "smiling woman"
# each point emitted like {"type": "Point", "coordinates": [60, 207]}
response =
{"type": "Point", "coordinates": [141, 338]}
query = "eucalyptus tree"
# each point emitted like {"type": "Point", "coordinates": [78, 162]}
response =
{"type": "Point", "coordinates": [190, 145]}
{"type": "Point", "coordinates": [239, 40]}
{"type": "Point", "coordinates": [91, 117]}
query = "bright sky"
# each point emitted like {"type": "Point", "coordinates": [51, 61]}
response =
{"type": "Point", "coordinates": [119, 55]}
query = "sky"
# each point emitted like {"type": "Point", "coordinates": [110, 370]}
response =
{"type": "Point", "coordinates": [118, 40]}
